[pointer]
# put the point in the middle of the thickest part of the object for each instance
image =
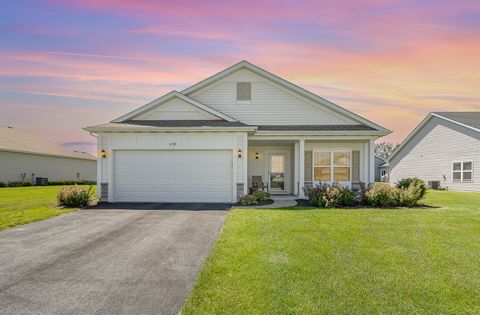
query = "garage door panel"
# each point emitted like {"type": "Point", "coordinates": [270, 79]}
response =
{"type": "Point", "coordinates": [173, 176]}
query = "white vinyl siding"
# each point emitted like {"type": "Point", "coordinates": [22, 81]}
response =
{"type": "Point", "coordinates": [430, 153]}
{"type": "Point", "coordinates": [176, 109]}
{"type": "Point", "coordinates": [270, 104]}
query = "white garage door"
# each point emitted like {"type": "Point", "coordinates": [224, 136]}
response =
{"type": "Point", "coordinates": [173, 176]}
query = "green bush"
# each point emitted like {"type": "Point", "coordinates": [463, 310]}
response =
{"type": "Point", "coordinates": [71, 182]}
{"type": "Point", "coordinates": [416, 182]}
{"type": "Point", "coordinates": [381, 195]}
{"type": "Point", "coordinates": [330, 196]}
{"type": "Point", "coordinates": [248, 200]}
{"type": "Point", "coordinates": [261, 196]}
{"type": "Point", "coordinates": [411, 191]}
{"type": "Point", "coordinates": [2, 184]}
{"type": "Point", "coordinates": [75, 196]}
{"type": "Point", "coordinates": [19, 184]}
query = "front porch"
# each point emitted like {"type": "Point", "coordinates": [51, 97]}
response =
{"type": "Point", "coordinates": [286, 166]}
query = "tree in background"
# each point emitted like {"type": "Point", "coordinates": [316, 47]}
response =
{"type": "Point", "coordinates": [384, 149]}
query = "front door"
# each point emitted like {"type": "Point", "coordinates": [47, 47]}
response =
{"type": "Point", "coordinates": [277, 164]}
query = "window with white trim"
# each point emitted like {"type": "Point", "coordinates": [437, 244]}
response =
{"type": "Point", "coordinates": [462, 171]}
{"type": "Point", "coordinates": [332, 166]}
{"type": "Point", "coordinates": [244, 91]}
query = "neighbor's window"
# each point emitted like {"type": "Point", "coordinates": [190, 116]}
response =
{"type": "Point", "coordinates": [244, 91]}
{"type": "Point", "coordinates": [462, 171]}
{"type": "Point", "coordinates": [331, 166]}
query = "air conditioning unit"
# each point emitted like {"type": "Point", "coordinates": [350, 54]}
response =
{"type": "Point", "coordinates": [434, 184]}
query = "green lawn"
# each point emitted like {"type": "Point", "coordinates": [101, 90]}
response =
{"type": "Point", "coordinates": [346, 261]}
{"type": "Point", "coordinates": [22, 205]}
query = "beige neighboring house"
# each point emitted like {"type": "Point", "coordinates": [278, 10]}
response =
{"type": "Point", "coordinates": [25, 155]}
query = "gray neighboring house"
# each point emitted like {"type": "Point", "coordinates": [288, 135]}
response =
{"type": "Point", "coordinates": [444, 150]}
{"type": "Point", "coordinates": [25, 155]}
{"type": "Point", "coordinates": [381, 170]}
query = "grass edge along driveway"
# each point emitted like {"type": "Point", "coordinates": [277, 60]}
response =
{"type": "Point", "coordinates": [21, 205]}
{"type": "Point", "coordinates": [345, 261]}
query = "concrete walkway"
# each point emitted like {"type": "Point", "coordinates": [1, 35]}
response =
{"type": "Point", "coordinates": [279, 201]}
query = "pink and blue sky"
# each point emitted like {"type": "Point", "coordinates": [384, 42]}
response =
{"type": "Point", "coordinates": [68, 64]}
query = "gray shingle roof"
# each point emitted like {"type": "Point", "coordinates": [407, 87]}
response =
{"type": "Point", "coordinates": [21, 140]}
{"type": "Point", "coordinates": [471, 119]}
{"type": "Point", "coordinates": [315, 128]}
{"type": "Point", "coordinates": [185, 123]}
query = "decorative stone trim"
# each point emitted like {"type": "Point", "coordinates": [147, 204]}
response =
{"type": "Point", "coordinates": [239, 191]}
{"type": "Point", "coordinates": [104, 192]}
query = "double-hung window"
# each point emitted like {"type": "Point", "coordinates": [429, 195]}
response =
{"type": "Point", "coordinates": [332, 166]}
{"type": "Point", "coordinates": [462, 171]}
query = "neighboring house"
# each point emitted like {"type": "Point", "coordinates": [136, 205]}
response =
{"type": "Point", "coordinates": [25, 156]}
{"type": "Point", "coordinates": [444, 150]}
{"type": "Point", "coordinates": [381, 170]}
{"type": "Point", "coordinates": [206, 143]}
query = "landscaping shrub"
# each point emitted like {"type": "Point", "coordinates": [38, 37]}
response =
{"type": "Point", "coordinates": [330, 196]}
{"type": "Point", "coordinates": [2, 184]}
{"type": "Point", "coordinates": [413, 181]}
{"type": "Point", "coordinates": [75, 196]}
{"type": "Point", "coordinates": [71, 182]}
{"type": "Point", "coordinates": [381, 195]}
{"type": "Point", "coordinates": [19, 184]}
{"type": "Point", "coordinates": [411, 191]}
{"type": "Point", "coordinates": [248, 200]}
{"type": "Point", "coordinates": [261, 196]}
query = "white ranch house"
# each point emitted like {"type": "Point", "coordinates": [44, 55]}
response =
{"type": "Point", "coordinates": [209, 142]}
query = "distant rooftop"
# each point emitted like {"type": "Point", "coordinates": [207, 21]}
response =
{"type": "Point", "coordinates": [471, 119]}
{"type": "Point", "coordinates": [21, 140]}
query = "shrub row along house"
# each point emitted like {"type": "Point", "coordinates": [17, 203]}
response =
{"type": "Point", "coordinates": [241, 127]}
{"type": "Point", "coordinates": [443, 150]}
{"type": "Point", "coordinates": [24, 156]}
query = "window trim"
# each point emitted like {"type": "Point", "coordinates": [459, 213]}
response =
{"type": "Point", "coordinates": [332, 163]}
{"type": "Point", "coordinates": [461, 171]}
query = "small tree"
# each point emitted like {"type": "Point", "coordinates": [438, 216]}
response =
{"type": "Point", "coordinates": [384, 149]}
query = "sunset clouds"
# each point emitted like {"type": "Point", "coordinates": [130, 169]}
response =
{"type": "Point", "coordinates": [78, 63]}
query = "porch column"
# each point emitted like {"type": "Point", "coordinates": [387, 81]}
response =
{"type": "Point", "coordinates": [301, 167]}
{"type": "Point", "coordinates": [371, 168]}
{"type": "Point", "coordinates": [296, 172]}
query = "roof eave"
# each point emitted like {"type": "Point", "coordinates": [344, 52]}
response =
{"type": "Point", "coordinates": [166, 129]}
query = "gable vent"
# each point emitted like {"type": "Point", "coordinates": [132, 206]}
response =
{"type": "Point", "coordinates": [244, 91]}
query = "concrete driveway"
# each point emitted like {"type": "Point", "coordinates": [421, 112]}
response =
{"type": "Point", "coordinates": [105, 261]}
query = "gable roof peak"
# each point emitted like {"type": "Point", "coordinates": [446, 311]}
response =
{"type": "Point", "coordinates": [159, 101]}
{"type": "Point", "coordinates": [286, 84]}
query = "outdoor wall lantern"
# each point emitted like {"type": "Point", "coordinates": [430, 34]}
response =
{"type": "Point", "coordinates": [256, 155]}
{"type": "Point", "coordinates": [239, 152]}
{"type": "Point", "coordinates": [103, 154]}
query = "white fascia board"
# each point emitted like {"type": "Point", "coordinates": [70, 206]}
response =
{"type": "Point", "coordinates": [166, 129]}
{"type": "Point", "coordinates": [320, 133]}
{"type": "Point", "coordinates": [286, 84]}
{"type": "Point", "coordinates": [168, 97]}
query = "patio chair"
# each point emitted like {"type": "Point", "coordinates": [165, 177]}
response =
{"type": "Point", "coordinates": [257, 181]}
